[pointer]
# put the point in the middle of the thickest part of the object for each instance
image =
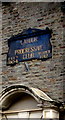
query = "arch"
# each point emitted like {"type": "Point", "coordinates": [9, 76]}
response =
{"type": "Point", "coordinates": [14, 92]}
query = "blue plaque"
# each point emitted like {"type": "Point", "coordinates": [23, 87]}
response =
{"type": "Point", "coordinates": [28, 45]}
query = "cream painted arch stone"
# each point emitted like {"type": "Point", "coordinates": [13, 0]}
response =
{"type": "Point", "coordinates": [20, 98]}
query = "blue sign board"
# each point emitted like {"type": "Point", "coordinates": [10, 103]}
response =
{"type": "Point", "coordinates": [28, 45]}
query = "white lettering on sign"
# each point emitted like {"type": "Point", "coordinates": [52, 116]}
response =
{"type": "Point", "coordinates": [29, 40]}
{"type": "Point", "coordinates": [26, 50]}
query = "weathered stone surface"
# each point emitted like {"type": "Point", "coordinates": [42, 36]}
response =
{"type": "Point", "coordinates": [46, 75]}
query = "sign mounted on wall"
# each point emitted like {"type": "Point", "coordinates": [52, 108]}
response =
{"type": "Point", "coordinates": [28, 45]}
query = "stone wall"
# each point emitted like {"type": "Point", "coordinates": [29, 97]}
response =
{"type": "Point", "coordinates": [45, 75]}
{"type": "Point", "coordinates": [0, 46]}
